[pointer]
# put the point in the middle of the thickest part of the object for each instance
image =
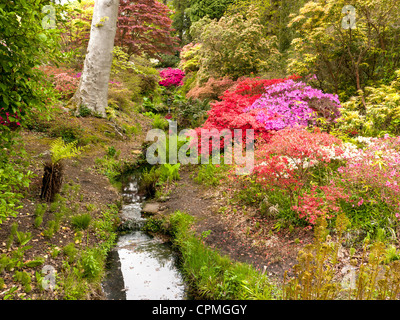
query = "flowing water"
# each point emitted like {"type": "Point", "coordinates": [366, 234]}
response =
{"type": "Point", "coordinates": [141, 267]}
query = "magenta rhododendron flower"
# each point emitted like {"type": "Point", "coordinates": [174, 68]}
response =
{"type": "Point", "coordinates": [171, 77]}
{"type": "Point", "coordinates": [291, 103]}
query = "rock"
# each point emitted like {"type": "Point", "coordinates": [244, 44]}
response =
{"type": "Point", "coordinates": [151, 208]}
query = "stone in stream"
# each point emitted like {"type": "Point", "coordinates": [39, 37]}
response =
{"type": "Point", "coordinates": [151, 208]}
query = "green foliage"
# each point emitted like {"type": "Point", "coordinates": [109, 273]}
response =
{"type": "Point", "coordinates": [213, 9]}
{"type": "Point", "coordinates": [75, 26]}
{"type": "Point", "coordinates": [191, 113]}
{"type": "Point", "coordinates": [120, 61]}
{"type": "Point", "coordinates": [169, 172]}
{"type": "Point", "coordinates": [381, 114]}
{"type": "Point", "coordinates": [159, 122]}
{"type": "Point", "coordinates": [111, 152]}
{"type": "Point", "coordinates": [25, 279]}
{"type": "Point", "coordinates": [67, 130]}
{"type": "Point", "coordinates": [210, 174]}
{"type": "Point", "coordinates": [84, 111]}
{"type": "Point", "coordinates": [345, 61]}
{"type": "Point", "coordinates": [14, 178]}
{"type": "Point", "coordinates": [274, 16]}
{"type": "Point", "coordinates": [91, 263]}
{"type": "Point", "coordinates": [132, 77]}
{"type": "Point", "coordinates": [105, 227]}
{"type": "Point", "coordinates": [181, 19]}
{"type": "Point", "coordinates": [157, 176]}
{"type": "Point", "coordinates": [38, 261]}
{"type": "Point", "coordinates": [81, 222]}
{"type": "Point", "coordinates": [60, 150]}
{"type": "Point", "coordinates": [250, 192]}
{"type": "Point", "coordinates": [211, 275]}
{"type": "Point", "coordinates": [234, 46]}
{"type": "Point", "coordinates": [24, 43]}
{"type": "Point", "coordinates": [109, 166]}
{"type": "Point", "coordinates": [23, 237]}
{"type": "Point", "coordinates": [50, 230]}
{"type": "Point", "coordinates": [153, 225]}
{"type": "Point", "coordinates": [148, 180]}
{"type": "Point", "coordinates": [190, 58]}
{"type": "Point", "coordinates": [376, 276]}
{"type": "Point", "coordinates": [39, 212]}
{"type": "Point", "coordinates": [70, 251]}
{"type": "Point", "coordinates": [168, 61]}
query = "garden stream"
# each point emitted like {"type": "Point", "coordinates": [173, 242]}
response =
{"type": "Point", "coordinates": [141, 267]}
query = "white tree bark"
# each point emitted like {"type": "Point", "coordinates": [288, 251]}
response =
{"type": "Point", "coordinates": [93, 87]}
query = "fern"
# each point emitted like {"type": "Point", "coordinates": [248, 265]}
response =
{"type": "Point", "coordinates": [60, 150]}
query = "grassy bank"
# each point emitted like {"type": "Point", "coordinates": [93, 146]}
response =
{"type": "Point", "coordinates": [210, 275]}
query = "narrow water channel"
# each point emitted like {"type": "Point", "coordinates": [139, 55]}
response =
{"type": "Point", "coordinates": [141, 267]}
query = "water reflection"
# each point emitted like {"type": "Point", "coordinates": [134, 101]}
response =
{"type": "Point", "coordinates": [141, 267]}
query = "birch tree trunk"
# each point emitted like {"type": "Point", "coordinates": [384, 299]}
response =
{"type": "Point", "coordinates": [93, 87]}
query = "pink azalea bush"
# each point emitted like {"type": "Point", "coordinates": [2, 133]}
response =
{"type": "Point", "coordinates": [320, 201]}
{"type": "Point", "coordinates": [171, 77]}
{"type": "Point", "coordinates": [291, 103]}
{"type": "Point", "coordinates": [373, 174]}
{"type": "Point", "coordinates": [287, 160]}
{"type": "Point", "coordinates": [287, 163]}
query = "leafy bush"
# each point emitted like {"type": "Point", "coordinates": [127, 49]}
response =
{"type": "Point", "coordinates": [229, 113]}
{"type": "Point", "coordinates": [346, 60]}
{"type": "Point", "coordinates": [65, 80]}
{"type": "Point", "coordinates": [190, 57]}
{"type": "Point", "coordinates": [288, 104]}
{"type": "Point", "coordinates": [23, 46]}
{"type": "Point", "coordinates": [169, 172]}
{"type": "Point", "coordinates": [76, 31]}
{"type": "Point", "coordinates": [149, 181]}
{"type": "Point", "coordinates": [381, 114]}
{"type": "Point", "coordinates": [159, 122]}
{"type": "Point", "coordinates": [234, 46]}
{"type": "Point", "coordinates": [14, 178]}
{"type": "Point", "coordinates": [168, 61]}
{"type": "Point", "coordinates": [287, 160]}
{"type": "Point", "coordinates": [191, 113]}
{"type": "Point", "coordinates": [90, 261]}
{"type": "Point", "coordinates": [213, 89]}
{"type": "Point", "coordinates": [371, 177]}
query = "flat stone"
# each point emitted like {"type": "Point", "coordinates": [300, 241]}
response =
{"type": "Point", "coordinates": [151, 208]}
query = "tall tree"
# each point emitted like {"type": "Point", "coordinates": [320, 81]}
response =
{"type": "Point", "coordinates": [181, 20]}
{"type": "Point", "coordinates": [213, 9]}
{"type": "Point", "coordinates": [348, 44]}
{"type": "Point", "coordinates": [144, 27]}
{"type": "Point", "coordinates": [93, 87]}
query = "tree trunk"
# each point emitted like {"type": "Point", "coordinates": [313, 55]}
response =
{"type": "Point", "coordinates": [93, 87]}
{"type": "Point", "coordinates": [52, 181]}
